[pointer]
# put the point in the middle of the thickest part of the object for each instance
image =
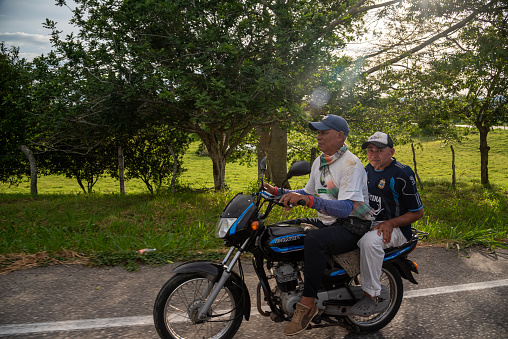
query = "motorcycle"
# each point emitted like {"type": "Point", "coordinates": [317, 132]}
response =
{"type": "Point", "coordinates": [210, 300]}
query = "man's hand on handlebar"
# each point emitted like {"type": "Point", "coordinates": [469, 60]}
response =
{"type": "Point", "coordinates": [269, 188]}
{"type": "Point", "coordinates": [293, 199]}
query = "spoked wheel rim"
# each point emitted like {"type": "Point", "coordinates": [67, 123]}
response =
{"type": "Point", "coordinates": [184, 303]}
{"type": "Point", "coordinates": [389, 280]}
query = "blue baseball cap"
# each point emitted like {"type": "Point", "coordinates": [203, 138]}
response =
{"type": "Point", "coordinates": [331, 121]}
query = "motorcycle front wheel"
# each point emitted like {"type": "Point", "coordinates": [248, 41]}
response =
{"type": "Point", "coordinates": [390, 278]}
{"type": "Point", "coordinates": [179, 301]}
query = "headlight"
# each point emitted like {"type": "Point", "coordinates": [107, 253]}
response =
{"type": "Point", "coordinates": [223, 225]}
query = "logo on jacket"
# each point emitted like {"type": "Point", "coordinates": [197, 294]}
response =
{"type": "Point", "coordinates": [381, 184]}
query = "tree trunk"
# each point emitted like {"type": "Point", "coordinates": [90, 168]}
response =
{"type": "Point", "coordinates": [220, 144]}
{"type": "Point", "coordinates": [219, 170]}
{"type": "Point", "coordinates": [484, 154]}
{"type": "Point", "coordinates": [148, 186]}
{"type": "Point", "coordinates": [80, 183]}
{"type": "Point", "coordinates": [216, 145]}
{"type": "Point", "coordinates": [273, 144]}
{"type": "Point", "coordinates": [313, 154]}
{"type": "Point", "coordinates": [121, 170]}
{"type": "Point", "coordinates": [278, 155]}
{"type": "Point", "coordinates": [33, 168]}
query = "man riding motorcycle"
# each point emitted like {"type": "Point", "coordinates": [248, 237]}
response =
{"type": "Point", "coordinates": [337, 189]}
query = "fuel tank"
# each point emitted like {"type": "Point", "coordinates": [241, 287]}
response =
{"type": "Point", "coordinates": [283, 242]}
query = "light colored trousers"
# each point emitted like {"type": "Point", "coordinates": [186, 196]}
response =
{"type": "Point", "coordinates": [371, 258]}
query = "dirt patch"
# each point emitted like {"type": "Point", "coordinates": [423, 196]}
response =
{"type": "Point", "coordinates": [17, 261]}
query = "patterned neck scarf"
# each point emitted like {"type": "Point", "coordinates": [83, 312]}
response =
{"type": "Point", "coordinates": [324, 167]}
{"type": "Point", "coordinates": [360, 209]}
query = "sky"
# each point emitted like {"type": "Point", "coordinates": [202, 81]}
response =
{"type": "Point", "coordinates": [21, 24]}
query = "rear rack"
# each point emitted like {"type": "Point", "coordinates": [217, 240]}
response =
{"type": "Point", "coordinates": [419, 235]}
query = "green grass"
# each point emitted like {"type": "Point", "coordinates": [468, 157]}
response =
{"type": "Point", "coordinates": [434, 162]}
{"type": "Point", "coordinates": [59, 184]}
{"type": "Point", "coordinates": [61, 224]}
{"type": "Point", "coordinates": [197, 176]}
{"type": "Point", "coordinates": [109, 229]}
{"type": "Point", "coordinates": [465, 215]}
{"type": "Point", "coordinates": [434, 159]}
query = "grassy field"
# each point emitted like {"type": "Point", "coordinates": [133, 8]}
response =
{"type": "Point", "coordinates": [63, 225]}
{"type": "Point", "coordinates": [434, 159]}
{"type": "Point", "coordinates": [198, 176]}
{"type": "Point", "coordinates": [434, 162]}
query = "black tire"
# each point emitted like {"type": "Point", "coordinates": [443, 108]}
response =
{"type": "Point", "coordinates": [179, 299]}
{"type": "Point", "coordinates": [390, 277]}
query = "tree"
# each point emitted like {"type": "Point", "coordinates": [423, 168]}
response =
{"type": "Point", "coordinates": [461, 78]}
{"type": "Point", "coordinates": [360, 78]}
{"type": "Point", "coordinates": [481, 70]}
{"type": "Point", "coordinates": [409, 28]}
{"type": "Point", "coordinates": [15, 105]}
{"type": "Point", "coordinates": [222, 67]}
{"type": "Point", "coordinates": [155, 155]}
{"type": "Point", "coordinates": [87, 168]}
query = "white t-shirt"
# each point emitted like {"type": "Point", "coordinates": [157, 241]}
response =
{"type": "Point", "coordinates": [349, 177]}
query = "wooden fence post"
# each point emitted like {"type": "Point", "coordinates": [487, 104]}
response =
{"type": "Point", "coordinates": [33, 168]}
{"type": "Point", "coordinates": [175, 168]}
{"type": "Point", "coordinates": [416, 170]}
{"type": "Point", "coordinates": [453, 166]}
{"type": "Point", "coordinates": [121, 170]}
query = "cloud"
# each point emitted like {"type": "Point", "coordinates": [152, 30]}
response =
{"type": "Point", "coordinates": [30, 45]}
{"type": "Point", "coordinates": [22, 39]}
{"type": "Point", "coordinates": [21, 24]}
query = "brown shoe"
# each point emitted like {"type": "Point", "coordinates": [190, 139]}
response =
{"type": "Point", "coordinates": [301, 319]}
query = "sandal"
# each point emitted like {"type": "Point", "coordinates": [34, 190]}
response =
{"type": "Point", "coordinates": [364, 307]}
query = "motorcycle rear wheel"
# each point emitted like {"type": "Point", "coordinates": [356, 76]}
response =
{"type": "Point", "coordinates": [390, 278]}
{"type": "Point", "coordinates": [179, 300]}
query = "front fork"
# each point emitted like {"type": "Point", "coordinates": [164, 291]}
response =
{"type": "Point", "coordinates": [226, 274]}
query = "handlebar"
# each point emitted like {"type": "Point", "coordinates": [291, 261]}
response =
{"type": "Point", "coordinates": [273, 200]}
{"type": "Point", "coordinates": [276, 199]}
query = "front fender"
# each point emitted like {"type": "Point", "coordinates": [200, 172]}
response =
{"type": "Point", "coordinates": [213, 272]}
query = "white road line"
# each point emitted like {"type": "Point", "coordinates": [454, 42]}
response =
{"type": "Point", "coordinates": [72, 325]}
{"type": "Point", "coordinates": [89, 324]}
{"type": "Point", "coordinates": [455, 288]}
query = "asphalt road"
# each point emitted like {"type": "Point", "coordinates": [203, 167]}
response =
{"type": "Point", "coordinates": [457, 297]}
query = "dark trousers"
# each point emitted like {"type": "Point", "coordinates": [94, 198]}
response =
{"type": "Point", "coordinates": [327, 240]}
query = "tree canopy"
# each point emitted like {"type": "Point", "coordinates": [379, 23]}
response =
{"type": "Point", "coordinates": [461, 78]}
{"type": "Point", "coordinates": [15, 87]}
{"type": "Point", "coordinates": [221, 68]}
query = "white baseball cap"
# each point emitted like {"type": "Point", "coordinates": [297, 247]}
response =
{"type": "Point", "coordinates": [379, 139]}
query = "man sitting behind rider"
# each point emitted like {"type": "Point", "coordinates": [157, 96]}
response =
{"type": "Point", "coordinates": [394, 197]}
{"type": "Point", "coordinates": [337, 189]}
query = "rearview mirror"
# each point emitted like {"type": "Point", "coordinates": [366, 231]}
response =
{"type": "Point", "coordinates": [262, 165]}
{"type": "Point", "coordinates": [301, 167]}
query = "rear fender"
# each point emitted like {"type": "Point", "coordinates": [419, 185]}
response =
{"type": "Point", "coordinates": [404, 267]}
{"type": "Point", "coordinates": [213, 272]}
{"type": "Point", "coordinates": [398, 258]}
